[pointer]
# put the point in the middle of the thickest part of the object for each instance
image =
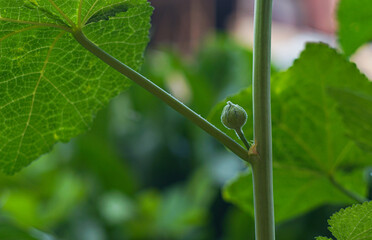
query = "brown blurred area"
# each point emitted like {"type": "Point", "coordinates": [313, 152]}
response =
{"type": "Point", "coordinates": [184, 24]}
{"type": "Point", "coordinates": [315, 14]}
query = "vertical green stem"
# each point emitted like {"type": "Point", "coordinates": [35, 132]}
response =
{"type": "Point", "coordinates": [262, 168]}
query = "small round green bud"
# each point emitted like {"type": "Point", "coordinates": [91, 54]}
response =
{"type": "Point", "coordinates": [233, 116]}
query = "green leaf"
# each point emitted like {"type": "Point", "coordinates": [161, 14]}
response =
{"type": "Point", "coordinates": [356, 110]}
{"type": "Point", "coordinates": [305, 116]}
{"type": "Point", "coordinates": [296, 191]}
{"type": "Point", "coordinates": [322, 238]}
{"type": "Point", "coordinates": [50, 86]}
{"type": "Point", "coordinates": [310, 142]}
{"type": "Point", "coordinates": [233, 192]}
{"type": "Point", "coordinates": [355, 21]}
{"type": "Point", "coordinates": [352, 223]}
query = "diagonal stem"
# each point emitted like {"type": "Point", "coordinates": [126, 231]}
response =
{"type": "Point", "coordinates": [163, 95]}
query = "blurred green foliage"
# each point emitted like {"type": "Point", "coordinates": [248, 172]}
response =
{"type": "Point", "coordinates": [142, 171]}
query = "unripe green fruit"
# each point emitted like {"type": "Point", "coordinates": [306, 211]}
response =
{"type": "Point", "coordinates": [233, 116]}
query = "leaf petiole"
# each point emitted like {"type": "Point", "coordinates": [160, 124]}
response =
{"type": "Point", "coordinates": [163, 95]}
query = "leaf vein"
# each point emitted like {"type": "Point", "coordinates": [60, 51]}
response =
{"type": "Point", "coordinates": [19, 76]}
{"type": "Point", "coordinates": [42, 24]}
{"type": "Point", "coordinates": [300, 142]}
{"type": "Point", "coordinates": [368, 230]}
{"type": "Point", "coordinates": [62, 13]}
{"type": "Point", "coordinates": [67, 99]}
{"type": "Point", "coordinates": [360, 220]}
{"type": "Point", "coordinates": [79, 12]}
{"type": "Point", "coordinates": [86, 18]}
{"type": "Point", "coordinates": [15, 100]}
{"type": "Point", "coordinates": [34, 94]}
{"type": "Point", "coordinates": [18, 31]}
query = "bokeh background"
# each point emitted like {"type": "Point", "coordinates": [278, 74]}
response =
{"type": "Point", "coordinates": [143, 171]}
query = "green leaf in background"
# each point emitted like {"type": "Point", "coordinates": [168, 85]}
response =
{"type": "Point", "coordinates": [355, 24]}
{"type": "Point", "coordinates": [8, 231]}
{"type": "Point", "coordinates": [293, 191]}
{"type": "Point", "coordinates": [306, 117]}
{"type": "Point", "coordinates": [50, 86]}
{"type": "Point", "coordinates": [30, 208]}
{"type": "Point", "coordinates": [180, 211]}
{"type": "Point", "coordinates": [357, 119]}
{"type": "Point", "coordinates": [310, 142]}
{"type": "Point", "coordinates": [352, 223]}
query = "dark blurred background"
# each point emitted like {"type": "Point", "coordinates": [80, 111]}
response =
{"type": "Point", "coordinates": [143, 171]}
